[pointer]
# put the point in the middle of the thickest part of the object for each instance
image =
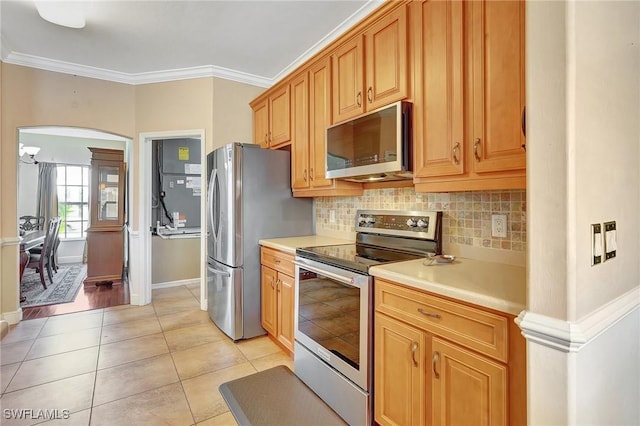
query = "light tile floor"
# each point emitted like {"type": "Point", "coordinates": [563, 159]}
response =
{"type": "Point", "coordinates": [159, 364]}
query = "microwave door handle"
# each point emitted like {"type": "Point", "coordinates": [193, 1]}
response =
{"type": "Point", "coordinates": [332, 275]}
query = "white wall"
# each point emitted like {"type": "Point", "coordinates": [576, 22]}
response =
{"type": "Point", "coordinates": [55, 149]}
{"type": "Point", "coordinates": [583, 321]}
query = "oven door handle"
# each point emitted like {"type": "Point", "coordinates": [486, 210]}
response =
{"type": "Point", "coordinates": [356, 281]}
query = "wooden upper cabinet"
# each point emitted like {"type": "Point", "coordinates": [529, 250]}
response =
{"type": "Point", "coordinates": [386, 59]}
{"type": "Point", "coordinates": [310, 116]}
{"type": "Point", "coordinates": [371, 69]}
{"type": "Point", "coordinates": [300, 130]}
{"type": "Point", "coordinates": [319, 120]}
{"type": "Point", "coordinates": [439, 94]}
{"type": "Point", "coordinates": [261, 123]}
{"type": "Point", "coordinates": [280, 116]}
{"type": "Point", "coordinates": [272, 118]}
{"type": "Point", "coordinates": [348, 80]}
{"type": "Point", "coordinates": [498, 89]}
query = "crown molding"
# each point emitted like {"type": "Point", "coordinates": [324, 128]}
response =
{"type": "Point", "coordinates": [136, 78]}
{"type": "Point", "coordinates": [571, 336]}
{"type": "Point", "coordinates": [17, 58]}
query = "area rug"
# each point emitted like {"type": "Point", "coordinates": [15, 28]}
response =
{"type": "Point", "coordinates": [276, 397]}
{"type": "Point", "coordinates": [66, 283]}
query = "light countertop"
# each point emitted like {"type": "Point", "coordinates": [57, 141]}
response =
{"type": "Point", "coordinates": [289, 244]}
{"type": "Point", "coordinates": [492, 285]}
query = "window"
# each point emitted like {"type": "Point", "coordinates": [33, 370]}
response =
{"type": "Point", "coordinates": [73, 200]}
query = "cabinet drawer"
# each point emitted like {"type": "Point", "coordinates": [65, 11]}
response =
{"type": "Point", "coordinates": [274, 259]}
{"type": "Point", "coordinates": [482, 331]}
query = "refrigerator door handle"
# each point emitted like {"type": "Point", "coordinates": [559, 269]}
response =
{"type": "Point", "coordinates": [216, 272]}
{"type": "Point", "coordinates": [212, 183]}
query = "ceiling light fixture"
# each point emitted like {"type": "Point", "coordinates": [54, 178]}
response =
{"type": "Point", "coordinates": [31, 151]}
{"type": "Point", "coordinates": [65, 13]}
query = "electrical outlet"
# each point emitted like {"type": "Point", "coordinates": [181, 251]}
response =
{"type": "Point", "coordinates": [332, 216]}
{"type": "Point", "coordinates": [499, 225]}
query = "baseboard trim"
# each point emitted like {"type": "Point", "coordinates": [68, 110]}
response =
{"type": "Point", "coordinates": [13, 317]}
{"type": "Point", "coordinates": [572, 336]}
{"type": "Point", "coordinates": [4, 328]}
{"type": "Point", "coordinates": [12, 241]}
{"type": "Point", "coordinates": [175, 283]}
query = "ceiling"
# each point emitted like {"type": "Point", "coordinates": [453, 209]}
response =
{"type": "Point", "coordinates": [135, 42]}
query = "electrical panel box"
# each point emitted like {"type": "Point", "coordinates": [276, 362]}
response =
{"type": "Point", "coordinates": [177, 184]}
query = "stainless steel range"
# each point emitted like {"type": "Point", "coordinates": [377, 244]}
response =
{"type": "Point", "coordinates": [334, 304]}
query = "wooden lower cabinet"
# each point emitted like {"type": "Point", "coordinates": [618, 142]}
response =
{"type": "Point", "coordinates": [422, 378]}
{"type": "Point", "coordinates": [467, 388]}
{"type": "Point", "coordinates": [278, 293]}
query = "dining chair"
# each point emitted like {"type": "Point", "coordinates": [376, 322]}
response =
{"type": "Point", "coordinates": [42, 260]}
{"type": "Point", "coordinates": [30, 223]}
{"type": "Point", "coordinates": [54, 247]}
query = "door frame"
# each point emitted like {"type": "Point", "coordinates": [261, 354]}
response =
{"type": "Point", "coordinates": [140, 285]}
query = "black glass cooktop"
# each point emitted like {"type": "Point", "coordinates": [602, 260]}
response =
{"type": "Point", "coordinates": [355, 257]}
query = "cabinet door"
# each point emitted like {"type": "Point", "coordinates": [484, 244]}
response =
{"type": "Point", "coordinates": [268, 281]}
{"type": "Point", "coordinates": [300, 129]}
{"type": "Point", "coordinates": [280, 116]}
{"type": "Point", "coordinates": [319, 120]}
{"type": "Point", "coordinates": [261, 124]}
{"type": "Point", "coordinates": [348, 80]}
{"type": "Point", "coordinates": [467, 388]}
{"type": "Point", "coordinates": [497, 39]}
{"type": "Point", "coordinates": [285, 308]}
{"type": "Point", "coordinates": [439, 106]}
{"type": "Point", "coordinates": [386, 53]}
{"type": "Point", "coordinates": [399, 373]}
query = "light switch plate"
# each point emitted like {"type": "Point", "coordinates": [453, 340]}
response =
{"type": "Point", "coordinates": [610, 240]}
{"type": "Point", "coordinates": [596, 244]}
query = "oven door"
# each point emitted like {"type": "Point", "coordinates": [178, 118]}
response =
{"type": "Point", "coordinates": [333, 317]}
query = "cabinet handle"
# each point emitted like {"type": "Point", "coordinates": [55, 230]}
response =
{"type": "Point", "coordinates": [266, 138]}
{"type": "Point", "coordinates": [311, 174]}
{"type": "Point", "coordinates": [429, 314]}
{"type": "Point", "coordinates": [269, 135]}
{"type": "Point", "coordinates": [359, 99]}
{"type": "Point", "coordinates": [278, 285]}
{"type": "Point", "coordinates": [304, 175]}
{"type": "Point", "coordinates": [524, 147]}
{"type": "Point", "coordinates": [524, 122]}
{"type": "Point", "coordinates": [436, 358]}
{"type": "Point", "coordinates": [476, 144]}
{"type": "Point", "coordinates": [272, 283]}
{"type": "Point", "coordinates": [370, 94]}
{"type": "Point", "coordinates": [277, 261]}
{"type": "Point", "coordinates": [456, 148]}
{"type": "Point", "coordinates": [414, 349]}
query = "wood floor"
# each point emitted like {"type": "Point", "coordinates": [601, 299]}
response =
{"type": "Point", "coordinates": [87, 299]}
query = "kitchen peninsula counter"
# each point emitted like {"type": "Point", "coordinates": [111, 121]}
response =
{"type": "Point", "coordinates": [290, 244]}
{"type": "Point", "coordinates": [492, 285]}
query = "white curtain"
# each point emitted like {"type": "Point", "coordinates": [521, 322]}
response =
{"type": "Point", "coordinates": [47, 206]}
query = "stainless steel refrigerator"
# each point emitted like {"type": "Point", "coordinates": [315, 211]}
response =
{"type": "Point", "coordinates": [248, 198]}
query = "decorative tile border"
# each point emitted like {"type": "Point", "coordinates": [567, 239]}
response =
{"type": "Point", "coordinates": [466, 215]}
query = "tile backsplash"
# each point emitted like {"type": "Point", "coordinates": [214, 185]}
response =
{"type": "Point", "coordinates": [466, 215]}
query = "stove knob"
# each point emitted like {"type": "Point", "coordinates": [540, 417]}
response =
{"type": "Point", "coordinates": [362, 220]}
{"type": "Point", "coordinates": [371, 219]}
{"type": "Point", "coordinates": [422, 223]}
{"type": "Point", "coordinates": [412, 223]}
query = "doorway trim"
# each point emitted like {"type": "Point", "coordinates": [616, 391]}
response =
{"type": "Point", "coordinates": [140, 273]}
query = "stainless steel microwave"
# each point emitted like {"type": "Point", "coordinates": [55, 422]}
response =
{"type": "Point", "coordinates": [376, 146]}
